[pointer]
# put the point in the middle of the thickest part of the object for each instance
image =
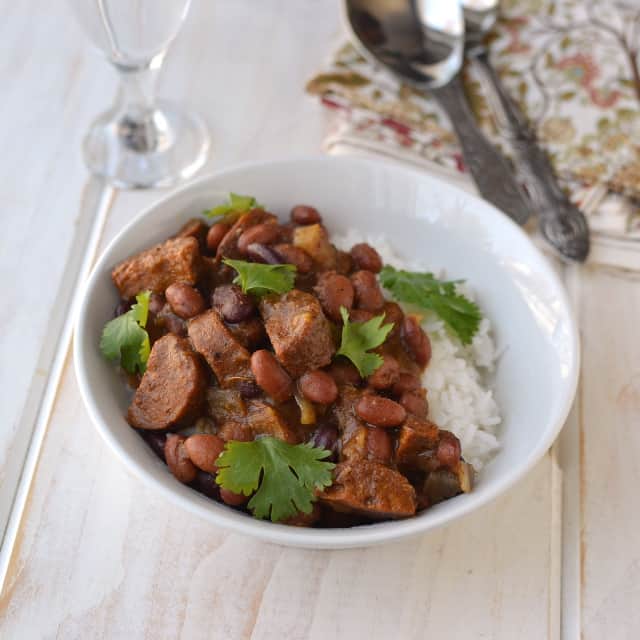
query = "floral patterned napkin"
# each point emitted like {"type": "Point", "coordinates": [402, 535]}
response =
{"type": "Point", "coordinates": [572, 65]}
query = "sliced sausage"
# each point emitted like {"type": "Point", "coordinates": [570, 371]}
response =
{"type": "Point", "coordinates": [171, 392]}
{"type": "Point", "coordinates": [371, 489]}
{"type": "Point", "coordinates": [176, 260]}
{"type": "Point", "coordinates": [228, 359]}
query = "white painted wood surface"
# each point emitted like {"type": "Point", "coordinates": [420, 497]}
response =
{"type": "Point", "coordinates": [96, 555]}
{"type": "Point", "coordinates": [50, 89]}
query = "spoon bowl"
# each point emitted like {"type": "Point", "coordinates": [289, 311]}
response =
{"type": "Point", "coordinates": [422, 42]}
{"type": "Point", "coordinates": [479, 17]}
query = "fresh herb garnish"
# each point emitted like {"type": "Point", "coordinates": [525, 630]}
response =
{"type": "Point", "coordinates": [424, 290]}
{"type": "Point", "coordinates": [283, 476]}
{"type": "Point", "coordinates": [236, 205]}
{"type": "Point", "coordinates": [125, 339]}
{"type": "Point", "coordinates": [261, 279]}
{"type": "Point", "coordinates": [359, 337]}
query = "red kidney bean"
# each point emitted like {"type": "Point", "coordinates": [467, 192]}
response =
{"type": "Point", "coordinates": [303, 214]}
{"type": "Point", "coordinates": [380, 412]}
{"type": "Point", "coordinates": [156, 302]}
{"type": "Point", "coordinates": [203, 449]}
{"type": "Point", "coordinates": [344, 372]}
{"type": "Point", "coordinates": [233, 499]}
{"type": "Point", "coordinates": [178, 460]}
{"type": "Point", "coordinates": [334, 291]}
{"type": "Point", "coordinates": [156, 442]}
{"type": "Point", "coordinates": [318, 386]}
{"type": "Point", "coordinates": [406, 382]}
{"type": "Point", "coordinates": [393, 313]}
{"type": "Point", "coordinates": [416, 341]}
{"type": "Point", "coordinates": [259, 233]}
{"type": "Point", "coordinates": [368, 294]}
{"type": "Point", "coordinates": [291, 254]}
{"type": "Point", "coordinates": [172, 323]}
{"type": "Point", "coordinates": [194, 228]}
{"type": "Point", "coordinates": [248, 389]}
{"type": "Point", "coordinates": [379, 446]}
{"type": "Point", "coordinates": [366, 257]}
{"type": "Point", "coordinates": [270, 375]}
{"type": "Point", "coordinates": [185, 301]}
{"type": "Point", "coordinates": [215, 234]}
{"type": "Point", "coordinates": [206, 483]}
{"type": "Point", "coordinates": [325, 437]}
{"type": "Point", "coordinates": [448, 452]}
{"type": "Point", "coordinates": [360, 315]}
{"type": "Point", "coordinates": [122, 307]}
{"type": "Point", "coordinates": [262, 253]}
{"type": "Point", "coordinates": [415, 402]}
{"type": "Point", "coordinates": [251, 333]}
{"type": "Point", "coordinates": [232, 304]}
{"type": "Point", "coordinates": [386, 374]}
{"type": "Point", "coordinates": [344, 263]}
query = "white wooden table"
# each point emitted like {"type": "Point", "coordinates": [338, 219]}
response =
{"type": "Point", "coordinates": [91, 553]}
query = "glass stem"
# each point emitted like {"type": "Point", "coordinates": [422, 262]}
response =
{"type": "Point", "coordinates": [140, 128]}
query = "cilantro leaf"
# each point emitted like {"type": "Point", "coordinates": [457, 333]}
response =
{"type": "Point", "coordinates": [359, 337]}
{"type": "Point", "coordinates": [283, 476]}
{"type": "Point", "coordinates": [424, 290]}
{"type": "Point", "coordinates": [125, 340]}
{"type": "Point", "coordinates": [236, 205]}
{"type": "Point", "coordinates": [263, 278]}
{"type": "Point", "coordinates": [141, 308]}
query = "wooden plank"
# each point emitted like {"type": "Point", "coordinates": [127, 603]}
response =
{"type": "Point", "coordinates": [609, 455]}
{"type": "Point", "coordinates": [569, 459]}
{"type": "Point", "coordinates": [50, 93]}
{"type": "Point", "coordinates": [37, 413]}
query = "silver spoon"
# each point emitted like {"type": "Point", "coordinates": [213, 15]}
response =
{"type": "Point", "coordinates": [561, 223]}
{"type": "Point", "coordinates": [422, 42]}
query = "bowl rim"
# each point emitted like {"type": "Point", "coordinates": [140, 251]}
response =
{"type": "Point", "coordinates": [361, 536]}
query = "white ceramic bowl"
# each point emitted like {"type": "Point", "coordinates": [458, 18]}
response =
{"type": "Point", "coordinates": [422, 217]}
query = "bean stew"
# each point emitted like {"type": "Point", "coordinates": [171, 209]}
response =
{"type": "Point", "coordinates": [254, 342]}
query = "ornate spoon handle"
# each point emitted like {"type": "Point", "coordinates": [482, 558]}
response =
{"type": "Point", "coordinates": [491, 171]}
{"type": "Point", "coordinates": [561, 223]}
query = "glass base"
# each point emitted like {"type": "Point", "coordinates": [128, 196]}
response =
{"type": "Point", "coordinates": [159, 149]}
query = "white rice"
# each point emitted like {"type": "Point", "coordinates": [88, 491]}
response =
{"type": "Point", "coordinates": [458, 377]}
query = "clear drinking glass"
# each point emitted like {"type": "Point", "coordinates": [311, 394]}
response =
{"type": "Point", "coordinates": [140, 142]}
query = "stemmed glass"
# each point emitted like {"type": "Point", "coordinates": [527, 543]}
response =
{"type": "Point", "coordinates": [140, 142]}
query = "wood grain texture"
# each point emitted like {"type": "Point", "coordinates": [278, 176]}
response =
{"type": "Point", "coordinates": [609, 455]}
{"type": "Point", "coordinates": [50, 92]}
